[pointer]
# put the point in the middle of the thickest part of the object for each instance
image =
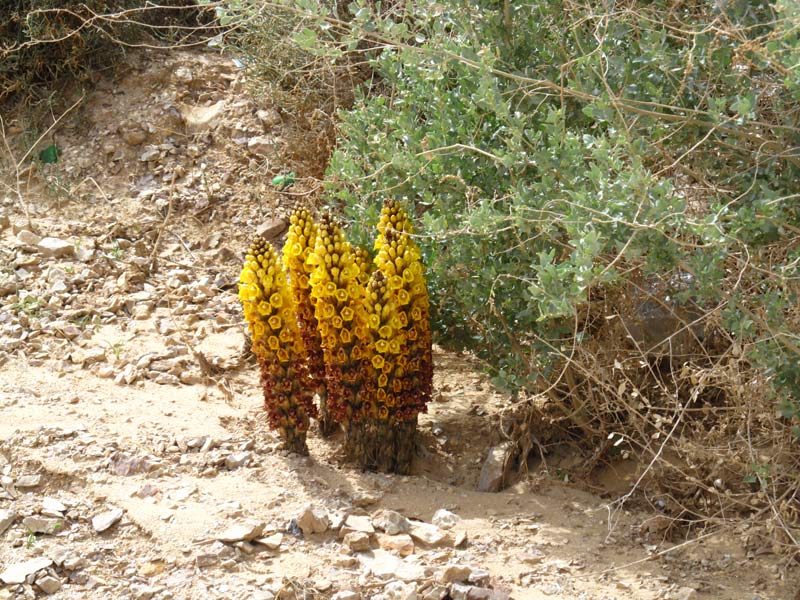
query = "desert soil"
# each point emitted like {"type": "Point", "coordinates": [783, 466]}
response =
{"type": "Point", "coordinates": [134, 455]}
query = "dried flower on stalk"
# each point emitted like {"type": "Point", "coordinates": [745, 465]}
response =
{"type": "Point", "coordinates": [300, 241]}
{"type": "Point", "coordinates": [269, 309]}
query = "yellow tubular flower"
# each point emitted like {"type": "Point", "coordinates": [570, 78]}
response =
{"type": "Point", "coordinates": [338, 292]}
{"type": "Point", "coordinates": [300, 241]}
{"type": "Point", "coordinates": [270, 312]}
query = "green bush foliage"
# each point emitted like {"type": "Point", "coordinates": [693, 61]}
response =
{"type": "Point", "coordinates": [608, 203]}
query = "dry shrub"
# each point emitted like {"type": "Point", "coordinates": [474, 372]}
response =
{"type": "Point", "coordinates": [47, 42]}
{"type": "Point", "coordinates": [665, 384]}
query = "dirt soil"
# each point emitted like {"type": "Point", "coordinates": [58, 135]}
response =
{"type": "Point", "coordinates": [132, 437]}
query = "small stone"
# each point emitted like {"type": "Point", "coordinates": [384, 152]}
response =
{"type": "Point", "coordinates": [36, 524]}
{"type": "Point", "coordinates": [269, 118]}
{"type": "Point", "coordinates": [455, 573]}
{"type": "Point", "coordinates": [387, 566]}
{"type": "Point", "coordinates": [245, 531]}
{"type": "Point", "coordinates": [28, 238]}
{"type": "Point", "coordinates": [272, 542]}
{"type": "Point", "coordinates": [272, 228]}
{"type": "Point", "coordinates": [150, 154]}
{"type": "Point", "coordinates": [398, 590]}
{"type": "Point", "coordinates": [684, 593]}
{"type": "Point", "coordinates": [479, 577]}
{"type": "Point", "coordinates": [437, 592]}
{"type": "Point", "coordinates": [106, 520]}
{"type": "Point", "coordinates": [134, 136]}
{"type": "Point", "coordinates": [261, 145]}
{"type": "Point", "coordinates": [445, 519]}
{"type": "Point", "coordinates": [312, 520]}
{"type": "Point", "coordinates": [48, 584]}
{"type": "Point", "coordinates": [357, 541]}
{"type": "Point", "coordinates": [238, 459]}
{"type": "Point", "coordinates": [496, 468]}
{"type": "Point", "coordinates": [426, 533]}
{"type": "Point", "coordinates": [390, 521]}
{"type": "Point", "coordinates": [459, 591]}
{"type": "Point", "coordinates": [52, 507]}
{"type": "Point", "coordinates": [346, 595]}
{"type": "Point", "coordinates": [7, 518]}
{"type": "Point", "coordinates": [357, 523]}
{"type": "Point", "coordinates": [29, 481]}
{"type": "Point", "coordinates": [56, 248]}
{"type": "Point", "coordinates": [401, 543]}
{"type": "Point", "coordinates": [461, 539]}
{"type": "Point", "coordinates": [534, 556]}
{"type": "Point", "coordinates": [17, 572]}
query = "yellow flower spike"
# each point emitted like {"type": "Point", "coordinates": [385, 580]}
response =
{"type": "Point", "coordinates": [268, 308]}
{"type": "Point", "coordinates": [374, 321]}
{"type": "Point", "coordinates": [385, 331]}
{"type": "Point", "coordinates": [347, 313]}
{"type": "Point", "coordinates": [383, 380]}
{"type": "Point", "coordinates": [330, 289]}
{"type": "Point", "coordinates": [342, 295]}
{"type": "Point", "coordinates": [337, 322]}
{"type": "Point", "coordinates": [395, 282]}
{"type": "Point", "coordinates": [377, 361]}
{"type": "Point", "coordinates": [345, 336]}
{"type": "Point", "coordinates": [403, 297]}
{"type": "Point", "coordinates": [382, 346]}
{"type": "Point", "coordinates": [327, 310]}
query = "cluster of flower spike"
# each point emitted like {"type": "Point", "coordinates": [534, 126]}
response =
{"type": "Point", "coordinates": [299, 244]}
{"type": "Point", "coordinates": [399, 319]}
{"type": "Point", "coordinates": [269, 310]}
{"type": "Point", "coordinates": [338, 295]}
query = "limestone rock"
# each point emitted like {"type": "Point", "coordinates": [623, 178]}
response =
{"type": "Point", "coordinates": [247, 530]}
{"type": "Point", "coordinates": [7, 518]}
{"type": "Point", "coordinates": [56, 248]}
{"type": "Point", "coordinates": [426, 533]}
{"type": "Point", "coordinates": [37, 524]}
{"type": "Point", "coordinates": [390, 521]}
{"type": "Point", "coordinates": [445, 519]}
{"type": "Point", "coordinates": [312, 520]}
{"type": "Point", "coordinates": [497, 468]}
{"type": "Point", "coordinates": [357, 541]}
{"type": "Point", "coordinates": [401, 543]}
{"type": "Point", "coordinates": [17, 572]}
{"type": "Point", "coordinates": [106, 520]}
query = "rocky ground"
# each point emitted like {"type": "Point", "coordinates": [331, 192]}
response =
{"type": "Point", "coordinates": [134, 457]}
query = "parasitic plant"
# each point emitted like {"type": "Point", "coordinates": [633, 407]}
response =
{"type": "Point", "coordinates": [270, 311]}
{"type": "Point", "coordinates": [300, 241]}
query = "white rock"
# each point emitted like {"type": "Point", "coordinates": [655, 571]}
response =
{"type": "Point", "coordinates": [272, 542]}
{"type": "Point", "coordinates": [28, 238]}
{"type": "Point", "coordinates": [48, 584]}
{"type": "Point", "coordinates": [149, 154]}
{"type": "Point", "coordinates": [29, 481]}
{"type": "Point", "coordinates": [238, 459]}
{"type": "Point", "coordinates": [37, 524]}
{"type": "Point", "coordinates": [312, 520]}
{"type": "Point", "coordinates": [261, 145]}
{"type": "Point", "coordinates": [384, 565]}
{"type": "Point", "coordinates": [445, 519]}
{"type": "Point", "coordinates": [106, 519]}
{"type": "Point", "coordinates": [426, 533]}
{"type": "Point", "coordinates": [357, 541]}
{"type": "Point", "coordinates": [398, 590]}
{"type": "Point", "coordinates": [244, 531]}
{"type": "Point", "coordinates": [55, 247]}
{"type": "Point", "coordinates": [357, 523]}
{"type": "Point", "coordinates": [346, 595]}
{"type": "Point", "coordinates": [7, 518]}
{"type": "Point", "coordinates": [52, 507]}
{"type": "Point", "coordinates": [17, 572]}
{"type": "Point", "coordinates": [390, 521]}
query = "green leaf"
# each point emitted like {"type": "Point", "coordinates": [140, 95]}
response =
{"type": "Point", "coordinates": [49, 155]}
